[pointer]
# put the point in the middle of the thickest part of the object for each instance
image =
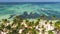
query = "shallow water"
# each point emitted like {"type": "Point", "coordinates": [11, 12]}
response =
{"type": "Point", "coordinates": [47, 9]}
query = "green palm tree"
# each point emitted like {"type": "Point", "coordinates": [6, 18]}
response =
{"type": "Point", "coordinates": [30, 31]}
{"type": "Point", "coordinates": [14, 31]}
{"type": "Point", "coordinates": [21, 19]}
{"type": "Point", "coordinates": [34, 31]}
{"type": "Point", "coordinates": [53, 17]}
{"type": "Point", "coordinates": [43, 29]}
{"type": "Point", "coordinates": [37, 22]}
{"type": "Point", "coordinates": [5, 20]}
{"type": "Point", "coordinates": [46, 21]}
{"type": "Point", "coordinates": [31, 24]}
{"type": "Point", "coordinates": [27, 21]}
{"type": "Point", "coordinates": [51, 23]}
{"type": "Point", "coordinates": [2, 27]}
{"type": "Point", "coordinates": [8, 27]}
{"type": "Point", "coordinates": [57, 25]}
{"type": "Point", "coordinates": [50, 32]}
{"type": "Point", "coordinates": [25, 31]}
{"type": "Point", "coordinates": [43, 17]}
{"type": "Point", "coordinates": [17, 19]}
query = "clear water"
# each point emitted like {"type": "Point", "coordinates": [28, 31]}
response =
{"type": "Point", "coordinates": [47, 9]}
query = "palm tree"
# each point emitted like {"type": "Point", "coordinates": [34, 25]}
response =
{"type": "Point", "coordinates": [27, 21]}
{"type": "Point", "coordinates": [14, 31]}
{"type": "Point", "coordinates": [57, 25]}
{"type": "Point", "coordinates": [37, 22]}
{"type": "Point", "coordinates": [4, 24]}
{"type": "Point", "coordinates": [2, 27]}
{"type": "Point", "coordinates": [51, 23]}
{"type": "Point", "coordinates": [31, 24]}
{"type": "Point", "coordinates": [17, 19]}
{"type": "Point", "coordinates": [25, 31]}
{"type": "Point", "coordinates": [4, 20]}
{"type": "Point", "coordinates": [50, 32]}
{"type": "Point", "coordinates": [46, 21]}
{"type": "Point", "coordinates": [43, 17]}
{"type": "Point", "coordinates": [30, 31]}
{"type": "Point", "coordinates": [8, 27]}
{"type": "Point", "coordinates": [34, 31]}
{"type": "Point", "coordinates": [53, 17]}
{"type": "Point", "coordinates": [43, 29]}
{"type": "Point", "coordinates": [30, 28]}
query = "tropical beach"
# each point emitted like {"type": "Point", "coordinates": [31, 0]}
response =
{"type": "Point", "coordinates": [30, 18]}
{"type": "Point", "coordinates": [26, 26]}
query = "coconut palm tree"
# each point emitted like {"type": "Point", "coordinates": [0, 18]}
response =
{"type": "Point", "coordinates": [2, 27]}
{"type": "Point", "coordinates": [30, 31]}
{"type": "Point", "coordinates": [43, 17]}
{"type": "Point", "coordinates": [51, 23]}
{"type": "Point", "coordinates": [43, 29]}
{"type": "Point", "coordinates": [50, 32]}
{"type": "Point", "coordinates": [31, 24]}
{"type": "Point", "coordinates": [46, 21]}
{"type": "Point", "coordinates": [8, 27]}
{"type": "Point", "coordinates": [57, 25]}
{"type": "Point", "coordinates": [34, 31]}
{"type": "Point", "coordinates": [4, 24]}
{"type": "Point", "coordinates": [37, 22]}
{"type": "Point", "coordinates": [17, 21]}
{"type": "Point", "coordinates": [16, 24]}
{"type": "Point", "coordinates": [4, 20]}
{"type": "Point", "coordinates": [25, 31]}
{"type": "Point", "coordinates": [14, 31]}
{"type": "Point", "coordinates": [53, 17]}
{"type": "Point", "coordinates": [30, 28]}
{"type": "Point", "coordinates": [27, 21]}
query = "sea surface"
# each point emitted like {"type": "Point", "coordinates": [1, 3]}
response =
{"type": "Point", "coordinates": [18, 8]}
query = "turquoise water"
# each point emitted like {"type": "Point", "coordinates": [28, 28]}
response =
{"type": "Point", "coordinates": [47, 9]}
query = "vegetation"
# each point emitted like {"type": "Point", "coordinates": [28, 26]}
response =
{"type": "Point", "coordinates": [27, 26]}
{"type": "Point", "coordinates": [50, 32]}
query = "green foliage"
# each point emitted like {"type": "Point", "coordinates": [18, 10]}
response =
{"type": "Point", "coordinates": [18, 21]}
{"type": "Point", "coordinates": [2, 26]}
{"type": "Point", "coordinates": [31, 24]}
{"type": "Point", "coordinates": [37, 23]}
{"type": "Point", "coordinates": [34, 31]}
{"type": "Point", "coordinates": [57, 24]}
{"type": "Point", "coordinates": [25, 31]}
{"type": "Point", "coordinates": [13, 32]}
{"type": "Point", "coordinates": [8, 27]}
{"type": "Point", "coordinates": [53, 17]}
{"type": "Point", "coordinates": [50, 32]}
{"type": "Point", "coordinates": [43, 17]}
